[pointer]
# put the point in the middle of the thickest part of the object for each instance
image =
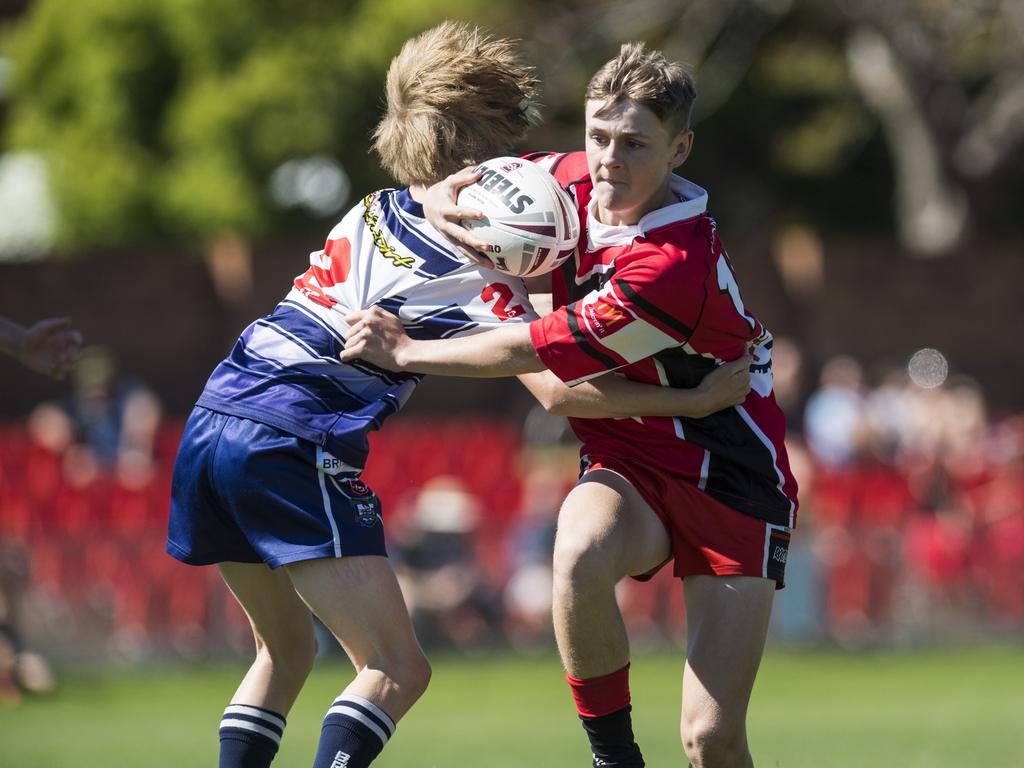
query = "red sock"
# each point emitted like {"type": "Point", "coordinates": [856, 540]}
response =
{"type": "Point", "coordinates": [597, 696]}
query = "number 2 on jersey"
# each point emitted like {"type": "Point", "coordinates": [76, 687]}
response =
{"type": "Point", "coordinates": [503, 293]}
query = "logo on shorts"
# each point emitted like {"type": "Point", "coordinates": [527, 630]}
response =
{"type": "Point", "coordinates": [358, 488]}
{"type": "Point", "coordinates": [778, 554]}
{"type": "Point", "coordinates": [366, 513]}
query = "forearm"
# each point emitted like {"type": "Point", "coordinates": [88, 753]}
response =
{"type": "Point", "coordinates": [613, 396]}
{"type": "Point", "coordinates": [501, 352]}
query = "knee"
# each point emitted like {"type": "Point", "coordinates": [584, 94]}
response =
{"type": "Point", "coordinates": [408, 673]}
{"type": "Point", "coordinates": [415, 675]}
{"type": "Point", "coordinates": [710, 744]}
{"type": "Point", "coordinates": [582, 563]}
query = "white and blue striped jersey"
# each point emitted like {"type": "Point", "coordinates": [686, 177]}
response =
{"type": "Point", "coordinates": [284, 369]}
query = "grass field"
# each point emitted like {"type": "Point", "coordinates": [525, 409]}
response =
{"type": "Point", "coordinates": [963, 708]}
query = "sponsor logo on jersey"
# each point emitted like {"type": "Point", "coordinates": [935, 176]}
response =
{"type": "Point", "coordinates": [604, 318]}
{"type": "Point", "coordinates": [372, 222]}
{"type": "Point", "coordinates": [511, 195]}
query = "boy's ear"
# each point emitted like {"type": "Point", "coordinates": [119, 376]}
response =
{"type": "Point", "coordinates": [683, 144]}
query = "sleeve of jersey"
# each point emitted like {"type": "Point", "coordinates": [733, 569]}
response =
{"type": "Point", "coordinates": [566, 167]}
{"type": "Point", "coordinates": [649, 305]}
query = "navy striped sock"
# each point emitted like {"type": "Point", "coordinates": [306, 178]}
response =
{"type": "Point", "coordinates": [355, 731]}
{"type": "Point", "coordinates": [249, 736]}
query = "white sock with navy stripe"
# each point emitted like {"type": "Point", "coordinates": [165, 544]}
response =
{"type": "Point", "coordinates": [355, 730]}
{"type": "Point", "coordinates": [249, 736]}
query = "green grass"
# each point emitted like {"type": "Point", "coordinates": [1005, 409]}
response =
{"type": "Point", "coordinates": [963, 708]}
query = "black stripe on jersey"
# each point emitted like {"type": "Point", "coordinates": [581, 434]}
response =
{"type": "Point", "coordinates": [656, 312]}
{"type": "Point", "coordinates": [741, 471]}
{"type": "Point", "coordinates": [609, 363]}
{"type": "Point", "coordinates": [682, 369]}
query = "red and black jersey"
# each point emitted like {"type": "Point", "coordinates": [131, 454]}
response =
{"type": "Point", "coordinates": [658, 302]}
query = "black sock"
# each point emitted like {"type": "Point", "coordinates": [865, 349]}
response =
{"type": "Point", "coordinates": [354, 732]}
{"type": "Point", "coordinates": [249, 736]}
{"type": "Point", "coordinates": [611, 739]}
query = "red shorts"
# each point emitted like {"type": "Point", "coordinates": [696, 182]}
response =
{"type": "Point", "coordinates": [707, 537]}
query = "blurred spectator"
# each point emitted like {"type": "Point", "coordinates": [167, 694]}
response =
{"type": "Point", "coordinates": [115, 417]}
{"type": "Point", "coordinates": [530, 544]}
{"type": "Point", "coordinates": [48, 347]}
{"type": "Point", "coordinates": [787, 369]}
{"type": "Point", "coordinates": [448, 597]}
{"type": "Point", "coordinates": [834, 417]}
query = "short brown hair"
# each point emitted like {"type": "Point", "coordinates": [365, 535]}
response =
{"type": "Point", "coordinates": [648, 78]}
{"type": "Point", "coordinates": [455, 97]}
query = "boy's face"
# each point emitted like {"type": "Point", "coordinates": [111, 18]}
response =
{"type": "Point", "coordinates": [631, 155]}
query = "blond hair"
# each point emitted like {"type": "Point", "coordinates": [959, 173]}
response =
{"type": "Point", "coordinates": [648, 78]}
{"type": "Point", "coordinates": [455, 97]}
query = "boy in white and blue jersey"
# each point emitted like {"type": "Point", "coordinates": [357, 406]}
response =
{"type": "Point", "coordinates": [266, 484]}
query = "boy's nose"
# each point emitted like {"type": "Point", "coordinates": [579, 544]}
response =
{"type": "Point", "coordinates": [610, 157]}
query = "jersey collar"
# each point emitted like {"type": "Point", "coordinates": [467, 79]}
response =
{"type": "Point", "coordinates": [693, 202]}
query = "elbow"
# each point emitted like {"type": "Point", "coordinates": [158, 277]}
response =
{"type": "Point", "coordinates": [558, 406]}
{"type": "Point", "coordinates": [552, 395]}
{"type": "Point", "coordinates": [553, 401]}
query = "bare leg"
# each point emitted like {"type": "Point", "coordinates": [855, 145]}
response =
{"type": "Point", "coordinates": [727, 622]}
{"type": "Point", "coordinates": [283, 630]}
{"type": "Point", "coordinates": [359, 600]}
{"type": "Point", "coordinates": [605, 532]}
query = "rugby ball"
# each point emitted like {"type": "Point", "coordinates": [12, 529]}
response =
{"type": "Point", "coordinates": [529, 219]}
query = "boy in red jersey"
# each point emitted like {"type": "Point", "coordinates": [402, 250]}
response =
{"type": "Point", "coordinates": [652, 295]}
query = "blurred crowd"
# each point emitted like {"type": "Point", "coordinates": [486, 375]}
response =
{"type": "Point", "coordinates": [911, 526]}
{"type": "Point", "coordinates": [913, 503]}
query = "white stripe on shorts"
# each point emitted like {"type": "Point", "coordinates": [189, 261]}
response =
{"type": "Point", "coordinates": [704, 466]}
{"type": "Point", "coordinates": [327, 510]}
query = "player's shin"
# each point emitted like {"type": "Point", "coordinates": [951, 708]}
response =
{"type": "Point", "coordinates": [604, 709]}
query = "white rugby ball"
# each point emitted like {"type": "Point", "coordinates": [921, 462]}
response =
{"type": "Point", "coordinates": [529, 219]}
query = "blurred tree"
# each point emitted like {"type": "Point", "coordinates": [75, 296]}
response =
{"type": "Point", "coordinates": [825, 112]}
{"type": "Point", "coordinates": [165, 119]}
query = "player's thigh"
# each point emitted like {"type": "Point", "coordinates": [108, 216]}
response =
{"type": "Point", "coordinates": [607, 518]}
{"type": "Point", "coordinates": [278, 616]}
{"type": "Point", "coordinates": [360, 602]}
{"type": "Point", "coordinates": [727, 622]}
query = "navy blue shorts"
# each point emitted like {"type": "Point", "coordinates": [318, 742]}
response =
{"type": "Point", "coordinates": [247, 492]}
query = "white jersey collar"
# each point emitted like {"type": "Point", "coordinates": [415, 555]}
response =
{"type": "Point", "coordinates": [693, 202]}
